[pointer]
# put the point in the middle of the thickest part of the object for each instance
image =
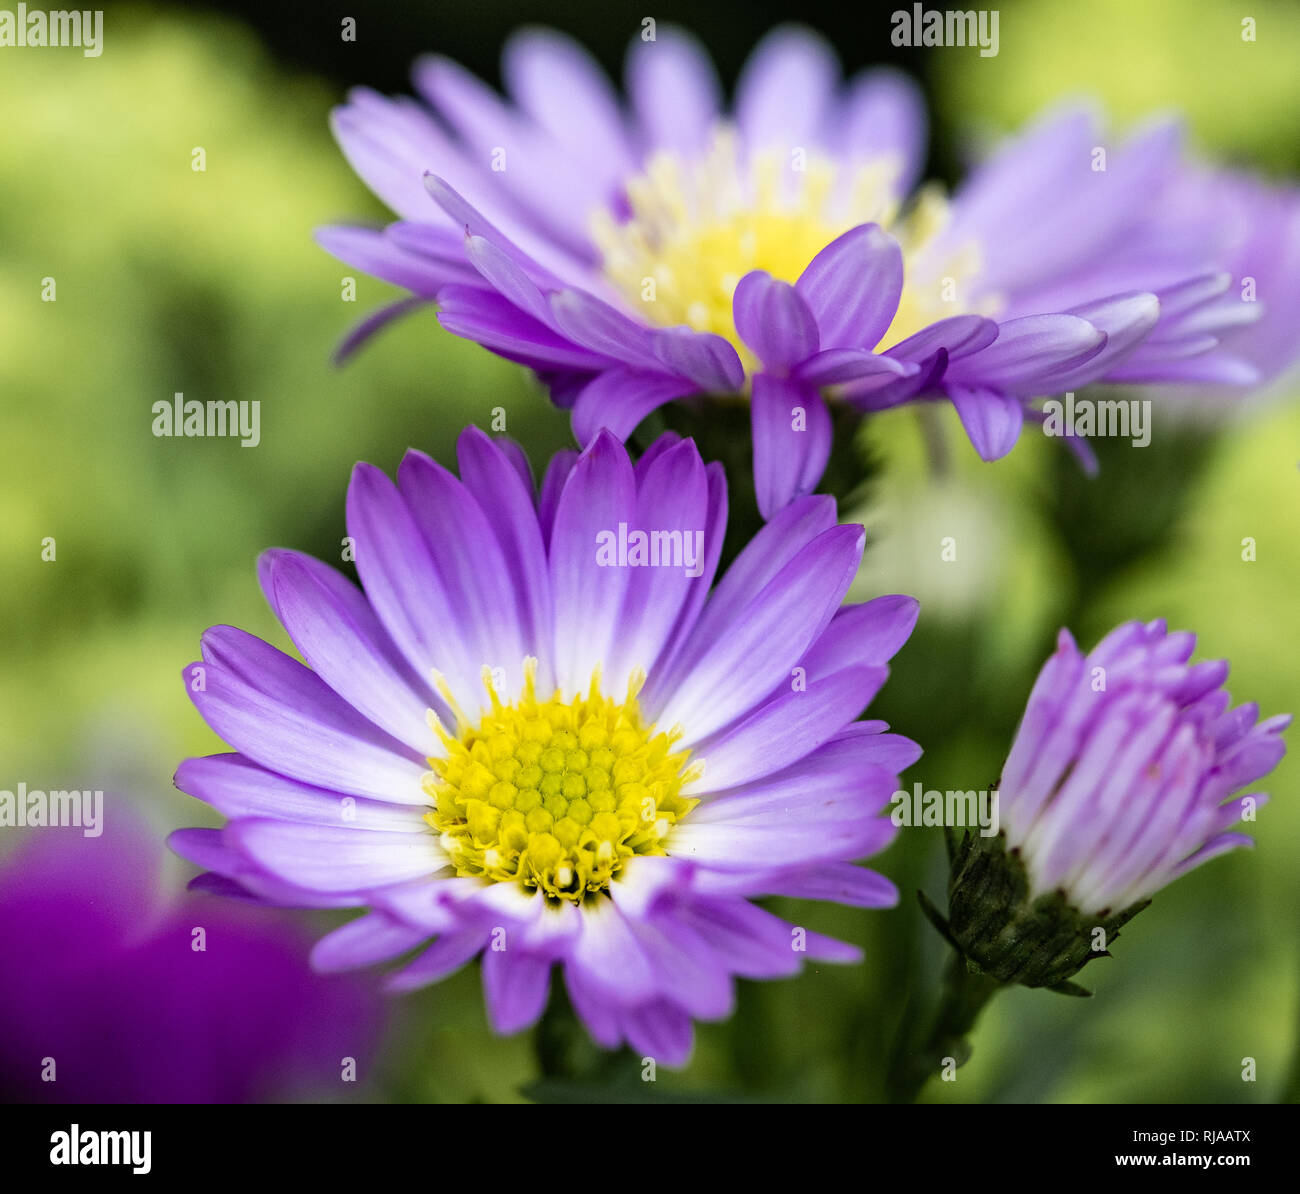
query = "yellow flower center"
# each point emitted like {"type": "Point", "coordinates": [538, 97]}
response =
{"type": "Point", "coordinates": [556, 794]}
{"type": "Point", "coordinates": [696, 229]}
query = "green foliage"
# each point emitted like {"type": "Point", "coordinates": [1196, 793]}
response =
{"type": "Point", "coordinates": [1189, 56]}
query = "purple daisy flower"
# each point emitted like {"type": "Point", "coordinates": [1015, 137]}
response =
{"type": "Point", "coordinates": [116, 1005]}
{"type": "Point", "coordinates": [540, 736]}
{"type": "Point", "coordinates": [1124, 772]}
{"type": "Point", "coordinates": [634, 255]}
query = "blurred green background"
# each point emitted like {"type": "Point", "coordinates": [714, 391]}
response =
{"type": "Point", "coordinates": [209, 283]}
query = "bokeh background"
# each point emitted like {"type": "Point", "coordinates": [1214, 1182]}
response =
{"type": "Point", "coordinates": [209, 283]}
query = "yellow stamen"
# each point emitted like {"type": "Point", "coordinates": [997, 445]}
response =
{"type": "Point", "coordinates": [697, 228]}
{"type": "Point", "coordinates": [557, 794]}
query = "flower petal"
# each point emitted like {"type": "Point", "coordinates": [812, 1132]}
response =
{"type": "Point", "coordinates": [774, 321]}
{"type": "Point", "coordinates": [285, 717]}
{"type": "Point", "coordinates": [786, 729]}
{"type": "Point", "coordinates": [674, 91]}
{"type": "Point", "coordinates": [334, 628]}
{"type": "Point", "coordinates": [783, 95]}
{"type": "Point", "coordinates": [515, 985]}
{"type": "Point", "coordinates": [792, 441]}
{"type": "Point", "coordinates": [618, 399]}
{"type": "Point", "coordinates": [734, 672]}
{"type": "Point", "coordinates": [992, 419]}
{"type": "Point", "coordinates": [853, 286]}
{"type": "Point", "coordinates": [599, 494]}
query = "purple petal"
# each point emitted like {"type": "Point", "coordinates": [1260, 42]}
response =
{"type": "Point", "coordinates": [338, 635]}
{"type": "Point", "coordinates": [473, 569]}
{"type": "Point", "coordinates": [840, 883]}
{"type": "Point", "coordinates": [991, 419]}
{"type": "Point", "coordinates": [445, 956]}
{"type": "Point", "coordinates": [372, 252]}
{"type": "Point", "coordinates": [515, 986]}
{"type": "Point", "coordinates": [404, 586]}
{"type": "Point", "coordinates": [784, 92]}
{"type": "Point", "coordinates": [674, 91]}
{"type": "Point", "coordinates": [600, 328]}
{"type": "Point", "coordinates": [599, 493]}
{"type": "Point", "coordinates": [861, 634]}
{"type": "Point", "coordinates": [759, 562]}
{"type": "Point", "coordinates": [863, 370]}
{"type": "Point", "coordinates": [672, 496]}
{"type": "Point", "coordinates": [959, 335]}
{"type": "Point", "coordinates": [1029, 355]}
{"type": "Point", "coordinates": [774, 321]}
{"type": "Point", "coordinates": [491, 320]}
{"type": "Point", "coordinates": [284, 716]}
{"type": "Point", "coordinates": [497, 477]}
{"type": "Point", "coordinates": [884, 115]}
{"type": "Point", "coordinates": [789, 727]}
{"type": "Point", "coordinates": [618, 399]}
{"type": "Point", "coordinates": [363, 942]}
{"type": "Point", "coordinates": [372, 324]}
{"type": "Point", "coordinates": [660, 1030]}
{"type": "Point", "coordinates": [733, 673]}
{"type": "Point", "coordinates": [564, 90]}
{"type": "Point", "coordinates": [853, 286]}
{"type": "Point", "coordinates": [548, 496]}
{"type": "Point", "coordinates": [336, 859]}
{"type": "Point", "coordinates": [792, 441]}
{"type": "Point", "coordinates": [237, 787]}
{"type": "Point", "coordinates": [707, 360]}
{"type": "Point", "coordinates": [1126, 320]}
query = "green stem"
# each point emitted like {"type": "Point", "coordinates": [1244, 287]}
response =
{"type": "Point", "coordinates": [966, 990]}
{"type": "Point", "coordinates": [566, 1053]}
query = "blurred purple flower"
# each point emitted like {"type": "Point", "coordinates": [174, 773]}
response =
{"type": "Point", "coordinates": [636, 255]}
{"type": "Point", "coordinates": [1059, 227]}
{"type": "Point", "coordinates": [101, 976]}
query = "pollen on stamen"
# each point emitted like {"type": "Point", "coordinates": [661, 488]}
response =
{"type": "Point", "coordinates": [556, 794]}
{"type": "Point", "coordinates": [444, 690]}
{"type": "Point", "coordinates": [696, 228]}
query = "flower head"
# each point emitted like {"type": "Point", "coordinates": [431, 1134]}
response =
{"type": "Point", "coordinates": [540, 736]}
{"type": "Point", "coordinates": [633, 254]}
{"type": "Point", "coordinates": [1123, 776]}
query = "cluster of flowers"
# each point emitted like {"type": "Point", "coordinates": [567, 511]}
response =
{"type": "Point", "coordinates": [497, 746]}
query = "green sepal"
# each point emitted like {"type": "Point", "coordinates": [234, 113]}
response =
{"type": "Point", "coordinates": [1033, 942]}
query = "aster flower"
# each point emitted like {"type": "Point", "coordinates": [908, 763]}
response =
{"type": "Point", "coordinates": [526, 740]}
{"type": "Point", "coordinates": [1124, 775]}
{"type": "Point", "coordinates": [636, 255]}
{"type": "Point", "coordinates": [115, 992]}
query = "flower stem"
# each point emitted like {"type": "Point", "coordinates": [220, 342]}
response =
{"type": "Point", "coordinates": [965, 992]}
